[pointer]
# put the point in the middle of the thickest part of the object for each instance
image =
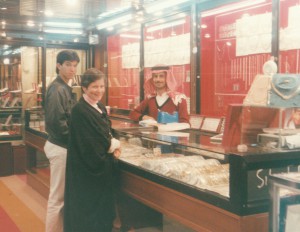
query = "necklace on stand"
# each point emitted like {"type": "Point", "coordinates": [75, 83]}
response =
{"type": "Point", "coordinates": [283, 96]}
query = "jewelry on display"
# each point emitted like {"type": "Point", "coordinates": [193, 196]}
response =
{"type": "Point", "coordinates": [285, 97]}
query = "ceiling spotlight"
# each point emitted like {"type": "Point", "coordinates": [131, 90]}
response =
{"type": "Point", "coordinates": [48, 13]}
{"type": "Point", "coordinates": [30, 23]}
{"type": "Point", "coordinates": [6, 61]}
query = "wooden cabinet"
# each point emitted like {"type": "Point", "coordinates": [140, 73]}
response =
{"type": "Point", "coordinates": [6, 159]}
{"type": "Point", "coordinates": [19, 158]}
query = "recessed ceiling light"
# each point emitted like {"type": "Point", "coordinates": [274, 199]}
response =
{"type": "Point", "coordinates": [6, 61]}
{"type": "Point", "coordinates": [48, 13]}
{"type": "Point", "coordinates": [61, 31]}
{"type": "Point", "coordinates": [30, 23]}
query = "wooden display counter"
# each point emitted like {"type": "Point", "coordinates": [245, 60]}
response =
{"type": "Point", "coordinates": [12, 157]}
{"type": "Point", "coordinates": [37, 178]}
{"type": "Point", "coordinates": [144, 198]}
{"type": "Point", "coordinates": [194, 213]}
{"type": "Point", "coordinates": [187, 210]}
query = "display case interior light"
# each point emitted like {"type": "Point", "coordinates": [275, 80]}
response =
{"type": "Point", "coordinates": [49, 13]}
{"type": "Point", "coordinates": [232, 7]}
{"type": "Point", "coordinates": [70, 32]}
{"type": "Point", "coordinates": [130, 36]}
{"type": "Point", "coordinates": [30, 23]}
{"type": "Point", "coordinates": [161, 5]}
{"type": "Point", "coordinates": [66, 25]}
{"type": "Point", "coordinates": [107, 14]}
{"type": "Point", "coordinates": [114, 21]}
{"type": "Point", "coordinates": [166, 25]}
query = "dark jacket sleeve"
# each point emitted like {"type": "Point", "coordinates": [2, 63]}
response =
{"type": "Point", "coordinates": [58, 109]}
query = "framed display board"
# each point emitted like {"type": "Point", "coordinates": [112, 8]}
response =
{"type": "Point", "coordinates": [196, 121]}
{"type": "Point", "coordinates": [211, 124]}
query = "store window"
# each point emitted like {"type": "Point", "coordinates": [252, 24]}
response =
{"type": "Point", "coordinates": [167, 42]}
{"type": "Point", "coordinates": [123, 52]}
{"type": "Point", "coordinates": [10, 78]}
{"type": "Point", "coordinates": [235, 42]}
{"type": "Point", "coordinates": [289, 42]}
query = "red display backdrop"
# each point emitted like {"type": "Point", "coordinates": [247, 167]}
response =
{"type": "Point", "coordinates": [123, 82]}
{"type": "Point", "coordinates": [227, 70]}
{"type": "Point", "coordinates": [168, 43]}
{"type": "Point", "coordinates": [165, 43]}
{"type": "Point", "coordinates": [288, 61]}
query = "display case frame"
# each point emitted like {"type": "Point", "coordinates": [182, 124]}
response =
{"type": "Point", "coordinates": [284, 192]}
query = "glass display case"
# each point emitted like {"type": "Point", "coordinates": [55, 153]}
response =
{"type": "Point", "coordinates": [192, 163]}
{"type": "Point", "coordinates": [285, 202]}
{"type": "Point", "coordinates": [35, 119]}
{"type": "Point", "coordinates": [11, 127]}
{"type": "Point", "coordinates": [266, 127]}
{"type": "Point", "coordinates": [190, 177]}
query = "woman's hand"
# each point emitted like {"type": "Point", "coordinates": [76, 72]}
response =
{"type": "Point", "coordinates": [117, 153]}
{"type": "Point", "coordinates": [114, 144]}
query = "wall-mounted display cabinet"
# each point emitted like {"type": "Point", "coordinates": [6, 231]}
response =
{"type": "Point", "coordinates": [11, 124]}
{"type": "Point", "coordinates": [236, 41]}
{"type": "Point", "coordinates": [10, 85]}
{"type": "Point", "coordinates": [215, 51]}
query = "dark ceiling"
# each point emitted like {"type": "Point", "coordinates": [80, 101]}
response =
{"type": "Point", "coordinates": [16, 14]}
{"type": "Point", "coordinates": [28, 22]}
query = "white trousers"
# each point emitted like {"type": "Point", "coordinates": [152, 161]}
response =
{"type": "Point", "coordinates": [57, 157]}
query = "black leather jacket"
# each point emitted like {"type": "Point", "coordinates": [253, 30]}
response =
{"type": "Point", "coordinates": [59, 101]}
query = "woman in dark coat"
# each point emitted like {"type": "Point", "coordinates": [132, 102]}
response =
{"type": "Point", "coordinates": [89, 196]}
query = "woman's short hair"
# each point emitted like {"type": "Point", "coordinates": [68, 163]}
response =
{"type": "Point", "coordinates": [91, 75]}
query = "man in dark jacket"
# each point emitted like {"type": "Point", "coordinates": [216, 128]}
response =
{"type": "Point", "coordinates": [58, 103]}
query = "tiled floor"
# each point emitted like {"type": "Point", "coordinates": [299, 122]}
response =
{"type": "Point", "coordinates": [18, 190]}
{"type": "Point", "coordinates": [21, 206]}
